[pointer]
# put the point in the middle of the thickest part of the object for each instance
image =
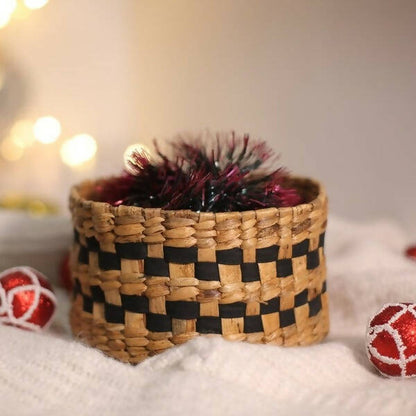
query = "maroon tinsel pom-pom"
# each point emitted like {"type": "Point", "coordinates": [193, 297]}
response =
{"type": "Point", "coordinates": [203, 177]}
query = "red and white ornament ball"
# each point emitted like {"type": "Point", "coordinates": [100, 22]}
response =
{"type": "Point", "coordinates": [26, 299]}
{"type": "Point", "coordinates": [411, 252]}
{"type": "Point", "coordinates": [391, 340]}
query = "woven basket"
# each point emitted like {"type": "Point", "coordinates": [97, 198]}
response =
{"type": "Point", "coordinates": [147, 279]}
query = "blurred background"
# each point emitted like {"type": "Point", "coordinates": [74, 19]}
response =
{"type": "Point", "coordinates": [329, 84]}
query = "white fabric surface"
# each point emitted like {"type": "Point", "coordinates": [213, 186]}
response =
{"type": "Point", "coordinates": [50, 374]}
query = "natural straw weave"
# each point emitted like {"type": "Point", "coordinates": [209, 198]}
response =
{"type": "Point", "coordinates": [147, 279]}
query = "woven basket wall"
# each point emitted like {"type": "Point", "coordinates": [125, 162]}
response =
{"type": "Point", "coordinates": [147, 279]}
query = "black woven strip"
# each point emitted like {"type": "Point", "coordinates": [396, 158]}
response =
{"type": "Point", "coordinates": [250, 272]}
{"type": "Point", "coordinates": [97, 294]}
{"type": "Point", "coordinates": [156, 267]}
{"type": "Point", "coordinates": [205, 270]}
{"type": "Point", "coordinates": [158, 323]}
{"type": "Point", "coordinates": [315, 305]}
{"type": "Point", "coordinates": [300, 249]}
{"type": "Point", "coordinates": [287, 318]}
{"type": "Point", "coordinates": [253, 324]}
{"type": "Point", "coordinates": [322, 240]}
{"type": "Point", "coordinates": [208, 325]}
{"type": "Point", "coordinates": [267, 254]}
{"type": "Point", "coordinates": [131, 251]}
{"type": "Point", "coordinates": [182, 309]}
{"type": "Point", "coordinates": [181, 255]}
{"type": "Point", "coordinates": [324, 287]}
{"type": "Point", "coordinates": [83, 257]}
{"type": "Point", "coordinates": [284, 268]}
{"type": "Point", "coordinates": [232, 310]}
{"type": "Point", "coordinates": [312, 260]}
{"type": "Point", "coordinates": [76, 236]}
{"type": "Point", "coordinates": [301, 298]}
{"type": "Point", "coordinates": [134, 303]}
{"type": "Point", "coordinates": [77, 287]}
{"type": "Point", "coordinates": [87, 303]}
{"type": "Point", "coordinates": [113, 313]}
{"type": "Point", "coordinates": [108, 261]}
{"type": "Point", "coordinates": [231, 256]}
{"type": "Point", "coordinates": [272, 306]}
{"type": "Point", "coordinates": [93, 244]}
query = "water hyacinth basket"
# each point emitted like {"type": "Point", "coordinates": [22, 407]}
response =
{"type": "Point", "coordinates": [146, 279]}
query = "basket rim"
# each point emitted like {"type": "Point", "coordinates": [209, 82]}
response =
{"type": "Point", "coordinates": [89, 203]}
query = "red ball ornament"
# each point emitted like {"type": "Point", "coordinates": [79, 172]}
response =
{"type": "Point", "coordinates": [391, 340]}
{"type": "Point", "coordinates": [411, 252]}
{"type": "Point", "coordinates": [26, 299]}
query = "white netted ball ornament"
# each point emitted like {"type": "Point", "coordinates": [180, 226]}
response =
{"type": "Point", "coordinates": [391, 340]}
{"type": "Point", "coordinates": [26, 299]}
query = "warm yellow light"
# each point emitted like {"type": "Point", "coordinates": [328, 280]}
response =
{"type": "Point", "coordinates": [78, 150]}
{"type": "Point", "coordinates": [37, 207]}
{"type": "Point", "coordinates": [21, 12]}
{"type": "Point", "coordinates": [35, 4]}
{"type": "Point", "coordinates": [131, 163]}
{"type": "Point", "coordinates": [47, 129]}
{"type": "Point", "coordinates": [22, 133]}
{"type": "Point", "coordinates": [4, 19]}
{"type": "Point", "coordinates": [10, 151]}
{"type": "Point", "coordinates": [7, 8]}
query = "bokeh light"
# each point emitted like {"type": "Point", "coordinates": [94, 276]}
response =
{"type": "Point", "coordinates": [37, 207]}
{"type": "Point", "coordinates": [21, 12]}
{"type": "Point", "coordinates": [4, 19]}
{"type": "Point", "coordinates": [28, 203]}
{"type": "Point", "coordinates": [10, 151]}
{"type": "Point", "coordinates": [22, 133]}
{"type": "Point", "coordinates": [35, 4]}
{"type": "Point", "coordinates": [47, 129]}
{"type": "Point", "coordinates": [135, 148]}
{"type": "Point", "coordinates": [7, 7]}
{"type": "Point", "coordinates": [78, 150]}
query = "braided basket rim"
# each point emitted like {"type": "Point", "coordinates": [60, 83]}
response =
{"type": "Point", "coordinates": [77, 190]}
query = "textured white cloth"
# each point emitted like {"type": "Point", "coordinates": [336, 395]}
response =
{"type": "Point", "coordinates": [50, 374]}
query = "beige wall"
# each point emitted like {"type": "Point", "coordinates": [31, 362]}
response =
{"type": "Point", "coordinates": [331, 84]}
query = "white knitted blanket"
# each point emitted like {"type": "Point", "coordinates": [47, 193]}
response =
{"type": "Point", "coordinates": [50, 374]}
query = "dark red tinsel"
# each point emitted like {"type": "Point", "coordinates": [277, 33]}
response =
{"type": "Point", "coordinates": [203, 177]}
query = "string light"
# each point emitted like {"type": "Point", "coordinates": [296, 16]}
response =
{"type": "Point", "coordinates": [74, 152]}
{"type": "Point", "coordinates": [37, 207]}
{"type": "Point", "coordinates": [22, 133]}
{"type": "Point", "coordinates": [35, 4]}
{"type": "Point", "coordinates": [21, 12]}
{"type": "Point", "coordinates": [47, 129]}
{"type": "Point", "coordinates": [7, 7]}
{"type": "Point", "coordinates": [10, 151]}
{"type": "Point", "coordinates": [4, 19]}
{"type": "Point", "coordinates": [78, 150]}
{"type": "Point", "coordinates": [135, 148]}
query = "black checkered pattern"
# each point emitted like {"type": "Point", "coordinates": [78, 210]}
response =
{"type": "Point", "coordinates": [205, 271]}
{"type": "Point", "coordinates": [191, 310]}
